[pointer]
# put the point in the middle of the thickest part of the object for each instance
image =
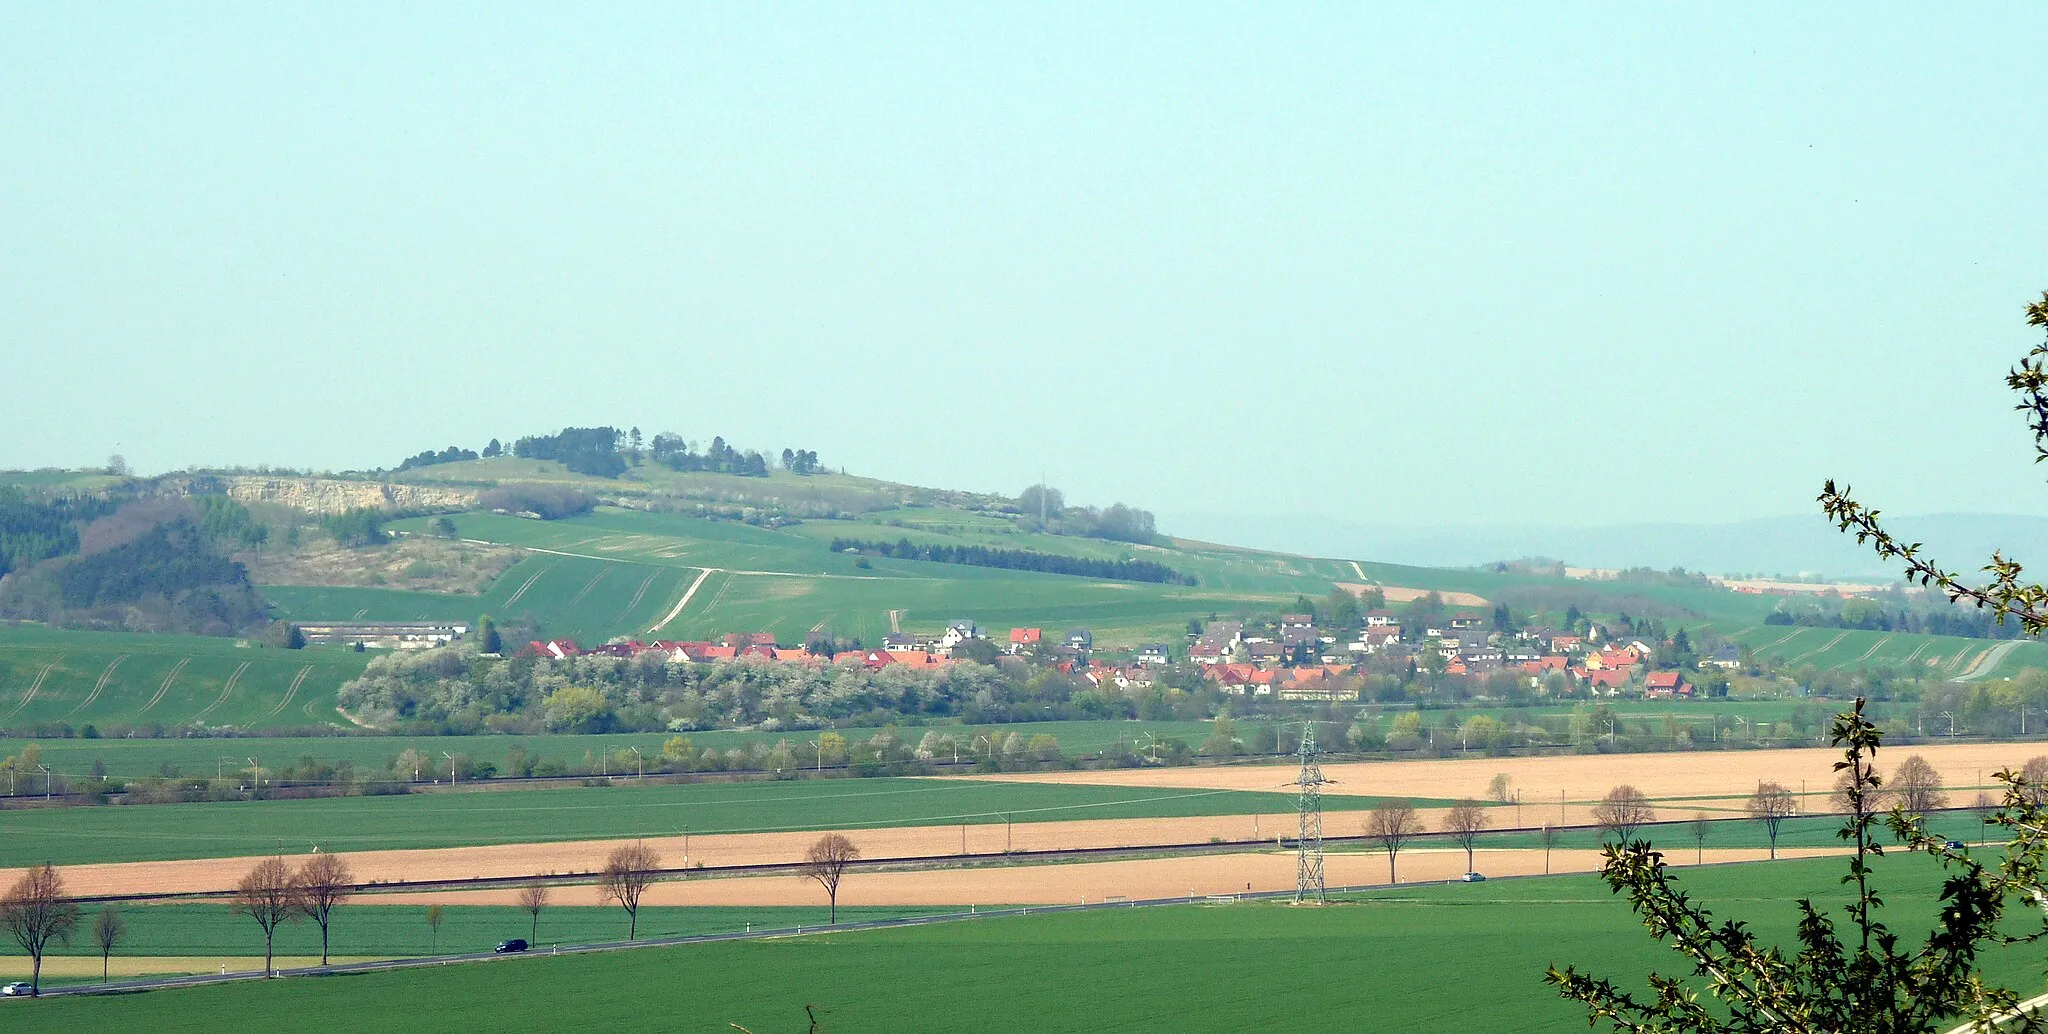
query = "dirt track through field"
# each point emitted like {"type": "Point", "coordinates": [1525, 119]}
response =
{"type": "Point", "coordinates": [1579, 778]}
{"type": "Point", "coordinates": [1194, 875]}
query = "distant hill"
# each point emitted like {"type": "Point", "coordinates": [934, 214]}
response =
{"type": "Point", "coordinates": [1785, 545]}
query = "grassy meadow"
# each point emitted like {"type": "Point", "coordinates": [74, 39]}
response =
{"type": "Point", "coordinates": [1463, 957]}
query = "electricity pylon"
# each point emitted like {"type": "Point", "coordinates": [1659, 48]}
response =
{"type": "Point", "coordinates": [1308, 869]}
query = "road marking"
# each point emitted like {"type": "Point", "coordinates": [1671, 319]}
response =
{"type": "Point", "coordinates": [226, 688]}
{"type": "Point", "coordinates": [98, 686]}
{"type": "Point", "coordinates": [165, 686]}
{"type": "Point", "coordinates": [685, 601]}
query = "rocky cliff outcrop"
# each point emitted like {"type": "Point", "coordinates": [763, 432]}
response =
{"type": "Point", "coordinates": [321, 495]}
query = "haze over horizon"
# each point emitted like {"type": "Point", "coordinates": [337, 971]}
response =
{"type": "Point", "coordinates": [1509, 268]}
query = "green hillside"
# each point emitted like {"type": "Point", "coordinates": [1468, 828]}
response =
{"type": "Point", "coordinates": [1934, 656]}
{"type": "Point", "coordinates": [116, 678]}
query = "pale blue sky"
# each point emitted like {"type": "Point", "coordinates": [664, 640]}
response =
{"type": "Point", "coordinates": [1517, 264]}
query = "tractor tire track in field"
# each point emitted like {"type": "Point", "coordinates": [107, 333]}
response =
{"type": "Point", "coordinates": [98, 687]}
{"type": "Point", "coordinates": [1825, 647]}
{"type": "Point", "coordinates": [592, 584]}
{"type": "Point", "coordinates": [528, 584]}
{"type": "Point", "coordinates": [685, 601]}
{"type": "Point", "coordinates": [36, 686]}
{"type": "Point", "coordinates": [1988, 662]}
{"type": "Point", "coordinates": [226, 688]}
{"type": "Point", "coordinates": [1874, 647]}
{"type": "Point", "coordinates": [1781, 640]}
{"type": "Point", "coordinates": [637, 596]}
{"type": "Point", "coordinates": [1917, 651]}
{"type": "Point", "coordinates": [895, 621]}
{"type": "Point", "coordinates": [165, 686]}
{"type": "Point", "coordinates": [291, 691]}
{"type": "Point", "coordinates": [358, 615]}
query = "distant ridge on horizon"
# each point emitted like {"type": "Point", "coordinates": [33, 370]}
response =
{"type": "Point", "coordinates": [1786, 545]}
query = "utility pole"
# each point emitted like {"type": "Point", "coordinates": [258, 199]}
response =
{"type": "Point", "coordinates": [820, 744]}
{"type": "Point", "coordinates": [1308, 844]}
{"type": "Point", "coordinates": [451, 767]}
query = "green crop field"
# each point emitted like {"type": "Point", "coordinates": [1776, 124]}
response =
{"type": "Point", "coordinates": [109, 678]}
{"type": "Point", "coordinates": [366, 929]}
{"type": "Point", "coordinates": [69, 836]}
{"type": "Point", "coordinates": [1951, 657]}
{"type": "Point", "coordinates": [135, 758]}
{"type": "Point", "coordinates": [1461, 957]}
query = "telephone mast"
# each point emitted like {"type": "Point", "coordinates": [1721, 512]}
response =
{"type": "Point", "coordinates": [1308, 842]}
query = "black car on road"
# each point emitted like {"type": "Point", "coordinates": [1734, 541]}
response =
{"type": "Point", "coordinates": [508, 947]}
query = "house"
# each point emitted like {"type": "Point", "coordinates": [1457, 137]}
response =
{"type": "Point", "coordinates": [1467, 619]}
{"type": "Point", "coordinates": [1612, 680]}
{"type": "Point", "coordinates": [1263, 652]}
{"type": "Point", "coordinates": [1225, 633]}
{"type": "Point", "coordinates": [554, 649]}
{"type": "Point", "coordinates": [1296, 621]}
{"type": "Point", "coordinates": [900, 642]}
{"type": "Point", "coordinates": [1380, 618]}
{"type": "Point", "coordinates": [1080, 639]}
{"type": "Point", "coordinates": [1667, 685]}
{"type": "Point", "coordinates": [1567, 643]}
{"type": "Point", "coordinates": [958, 632]}
{"type": "Point", "coordinates": [1022, 639]}
{"type": "Point", "coordinates": [1206, 653]}
{"type": "Point", "coordinates": [1155, 654]}
{"type": "Point", "coordinates": [740, 641]}
{"type": "Point", "coordinates": [1727, 655]}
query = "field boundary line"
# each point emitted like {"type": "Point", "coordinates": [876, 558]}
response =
{"type": "Point", "coordinates": [165, 686]}
{"type": "Point", "coordinates": [702, 574]}
{"type": "Point", "coordinates": [528, 584]}
{"type": "Point", "coordinates": [226, 688]}
{"type": "Point", "coordinates": [36, 686]}
{"type": "Point", "coordinates": [99, 686]}
{"type": "Point", "coordinates": [291, 690]}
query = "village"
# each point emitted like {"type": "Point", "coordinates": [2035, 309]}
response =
{"type": "Point", "coordinates": [1288, 660]}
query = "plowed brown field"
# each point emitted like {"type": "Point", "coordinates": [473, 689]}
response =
{"type": "Point", "coordinates": [1724, 773]}
{"type": "Point", "coordinates": [1198, 875]}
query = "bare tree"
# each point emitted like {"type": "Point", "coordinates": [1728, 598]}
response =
{"type": "Point", "coordinates": [325, 882]}
{"type": "Point", "coordinates": [1392, 824]}
{"type": "Point", "coordinates": [1771, 805]}
{"type": "Point", "coordinates": [1699, 827]}
{"type": "Point", "coordinates": [626, 876]}
{"type": "Point", "coordinates": [434, 916]}
{"type": "Point", "coordinates": [1464, 824]}
{"type": "Point", "coordinates": [1501, 789]}
{"type": "Point", "coordinates": [1918, 786]}
{"type": "Point", "coordinates": [2035, 788]}
{"type": "Point", "coordinates": [1875, 795]}
{"type": "Point", "coordinates": [1623, 811]}
{"type": "Point", "coordinates": [533, 897]}
{"type": "Point", "coordinates": [36, 914]}
{"type": "Point", "coordinates": [826, 863]}
{"type": "Point", "coordinates": [107, 929]}
{"type": "Point", "coordinates": [1549, 838]}
{"type": "Point", "coordinates": [268, 894]}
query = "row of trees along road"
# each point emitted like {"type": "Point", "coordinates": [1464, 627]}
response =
{"type": "Point", "coordinates": [38, 914]}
